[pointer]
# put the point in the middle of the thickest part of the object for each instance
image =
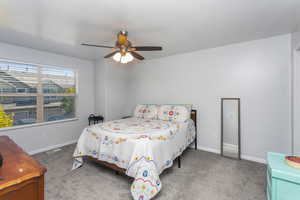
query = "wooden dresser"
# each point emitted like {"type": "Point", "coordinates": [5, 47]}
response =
{"type": "Point", "coordinates": [283, 181]}
{"type": "Point", "coordinates": [22, 176]}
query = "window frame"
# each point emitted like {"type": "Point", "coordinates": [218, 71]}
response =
{"type": "Point", "coordinates": [40, 106]}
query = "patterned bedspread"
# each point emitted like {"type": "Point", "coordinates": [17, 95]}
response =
{"type": "Point", "coordinates": [141, 146]}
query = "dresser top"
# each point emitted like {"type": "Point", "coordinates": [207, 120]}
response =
{"type": "Point", "coordinates": [18, 166]}
{"type": "Point", "coordinates": [279, 169]}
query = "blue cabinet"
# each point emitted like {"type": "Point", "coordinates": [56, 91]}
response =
{"type": "Point", "coordinates": [283, 181]}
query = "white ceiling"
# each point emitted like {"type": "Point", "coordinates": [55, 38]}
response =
{"type": "Point", "coordinates": [178, 25]}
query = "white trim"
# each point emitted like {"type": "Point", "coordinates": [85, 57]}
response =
{"type": "Point", "coordinates": [51, 147]}
{"type": "Point", "coordinates": [291, 96]}
{"type": "Point", "coordinates": [38, 124]}
{"type": "Point", "coordinates": [254, 159]}
{"type": "Point", "coordinates": [203, 148]}
{"type": "Point", "coordinates": [244, 157]}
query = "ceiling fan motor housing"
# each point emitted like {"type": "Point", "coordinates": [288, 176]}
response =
{"type": "Point", "coordinates": [123, 32]}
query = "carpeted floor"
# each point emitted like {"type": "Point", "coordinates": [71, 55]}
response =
{"type": "Point", "coordinates": [203, 176]}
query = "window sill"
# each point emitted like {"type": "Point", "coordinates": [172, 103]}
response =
{"type": "Point", "coordinates": [38, 124]}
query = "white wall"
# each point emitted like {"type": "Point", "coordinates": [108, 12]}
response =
{"type": "Point", "coordinates": [257, 71]}
{"type": "Point", "coordinates": [112, 80]}
{"type": "Point", "coordinates": [39, 138]}
{"type": "Point", "coordinates": [296, 92]}
{"type": "Point", "coordinates": [101, 88]}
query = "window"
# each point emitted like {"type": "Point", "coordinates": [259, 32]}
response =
{"type": "Point", "coordinates": [34, 93]}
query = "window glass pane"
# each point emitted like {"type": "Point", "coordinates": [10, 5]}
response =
{"type": "Point", "coordinates": [19, 99]}
{"type": "Point", "coordinates": [58, 80]}
{"type": "Point", "coordinates": [17, 111]}
{"type": "Point", "coordinates": [17, 78]}
{"type": "Point", "coordinates": [58, 108]}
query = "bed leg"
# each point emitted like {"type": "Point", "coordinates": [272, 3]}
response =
{"type": "Point", "coordinates": [179, 162]}
{"type": "Point", "coordinates": [196, 145]}
{"type": "Point", "coordinates": [117, 173]}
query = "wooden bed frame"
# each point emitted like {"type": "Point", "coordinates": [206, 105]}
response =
{"type": "Point", "coordinates": [122, 170]}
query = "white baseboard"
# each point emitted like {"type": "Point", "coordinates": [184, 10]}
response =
{"type": "Point", "coordinates": [254, 159]}
{"type": "Point", "coordinates": [51, 147]}
{"type": "Point", "coordinates": [244, 157]}
{"type": "Point", "coordinates": [203, 148]}
{"type": "Point", "coordinates": [209, 149]}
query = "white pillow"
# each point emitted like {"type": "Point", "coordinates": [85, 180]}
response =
{"type": "Point", "coordinates": [151, 112]}
{"type": "Point", "coordinates": [179, 113]}
{"type": "Point", "coordinates": [139, 111]}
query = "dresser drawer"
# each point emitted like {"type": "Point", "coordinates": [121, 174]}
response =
{"type": "Point", "coordinates": [287, 190]}
{"type": "Point", "coordinates": [32, 189]}
{"type": "Point", "coordinates": [27, 190]}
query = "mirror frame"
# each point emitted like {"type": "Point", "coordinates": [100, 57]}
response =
{"type": "Point", "coordinates": [239, 127]}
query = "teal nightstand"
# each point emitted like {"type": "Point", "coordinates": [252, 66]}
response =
{"type": "Point", "coordinates": [283, 181]}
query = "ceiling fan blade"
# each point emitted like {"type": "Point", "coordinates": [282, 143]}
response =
{"type": "Point", "coordinates": [111, 54]}
{"type": "Point", "coordinates": [94, 45]}
{"type": "Point", "coordinates": [147, 48]}
{"type": "Point", "coordinates": [137, 56]}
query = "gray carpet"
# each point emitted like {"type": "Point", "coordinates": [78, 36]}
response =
{"type": "Point", "coordinates": [203, 176]}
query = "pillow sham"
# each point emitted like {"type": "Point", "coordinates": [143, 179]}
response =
{"type": "Point", "coordinates": [146, 111]}
{"type": "Point", "coordinates": [179, 113]}
{"type": "Point", "coordinates": [139, 111]}
{"type": "Point", "coordinates": [151, 112]}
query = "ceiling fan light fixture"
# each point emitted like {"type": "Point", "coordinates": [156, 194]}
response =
{"type": "Point", "coordinates": [127, 58]}
{"type": "Point", "coordinates": [123, 59]}
{"type": "Point", "coordinates": [117, 57]}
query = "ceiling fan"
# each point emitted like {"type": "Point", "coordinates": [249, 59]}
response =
{"type": "Point", "coordinates": [124, 52]}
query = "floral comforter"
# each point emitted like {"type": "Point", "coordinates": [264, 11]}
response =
{"type": "Point", "coordinates": [141, 146]}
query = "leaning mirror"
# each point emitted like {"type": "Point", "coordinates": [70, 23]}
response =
{"type": "Point", "coordinates": [230, 128]}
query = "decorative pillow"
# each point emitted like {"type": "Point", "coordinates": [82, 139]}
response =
{"type": "Point", "coordinates": [151, 112]}
{"type": "Point", "coordinates": [179, 113]}
{"type": "Point", "coordinates": [139, 111]}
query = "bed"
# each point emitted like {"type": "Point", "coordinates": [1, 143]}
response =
{"type": "Point", "coordinates": [138, 147]}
